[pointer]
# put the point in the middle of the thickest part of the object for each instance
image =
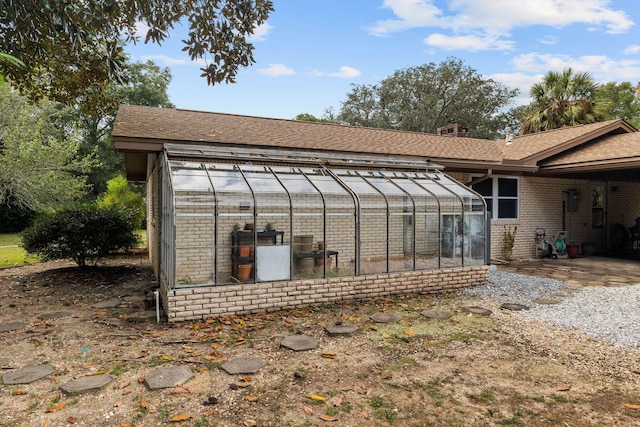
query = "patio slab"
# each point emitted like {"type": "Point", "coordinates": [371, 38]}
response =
{"type": "Point", "coordinates": [88, 383]}
{"type": "Point", "coordinates": [28, 374]}
{"type": "Point", "coordinates": [243, 365]}
{"type": "Point", "coordinates": [299, 342]}
{"type": "Point", "coordinates": [14, 326]}
{"type": "Point", "coordinates": [168, 376]}
{"type": "Point", "coordinates": [385, 317]}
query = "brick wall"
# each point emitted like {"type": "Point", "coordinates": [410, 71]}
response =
{"type": "Point", "coordinates": [202, 302]}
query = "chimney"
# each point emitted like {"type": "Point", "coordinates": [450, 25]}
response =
{"type": "Point", "coordinates": [455, 129]}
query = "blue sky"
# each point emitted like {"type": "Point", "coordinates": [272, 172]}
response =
{"type": "Point", "coordinates": [311, 51]}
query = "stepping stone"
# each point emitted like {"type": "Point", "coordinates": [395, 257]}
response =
{"type": "Point", "coordinates": [477, 310]}
{"type": "Point", "coordinates": [4, 362]}
{"type": "Point", "coordinates": [514, 307]}
{"type": "Point", "coordinates": [87, 383]}
{"type": "Point", "coordinates": [243, 365]}
{"type": "Point", "coordinates": [54, 315]}
{"type": "Point", "coordinates": [560, 295]}
{"type": "Point", "coordinates": [435, 314]}
{"type": "Point", "coordinates": [341, 328]}
{"type": "Point", "coordinates": [385, 317]}
{"type": "Point", "coordinates": [299, 342]}
{"type": "Point", "coordinates": [545, 301]}
{"type": "Point", "coordinates": [168, 376]}
{"type": "Point", "coordinates": [27, 375]}
{"type": "Point", "coordinates": [8, 327]}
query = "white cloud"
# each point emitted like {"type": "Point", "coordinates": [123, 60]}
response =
{"type": "Point", "coordinates": [276, 70]}
{"type": "Point", "coordinates": [632, 49]}
{"type": "Point", "coordinates": [550, 40]}
{"type": "Point", "coordinates": [260, 33]}
{"type": "Point", "coordinates": [474, 23]}
{"type": "Point", "coordinates": [472, 43]}
{"type": "Point", "coordinates": [603, 68]}
{"type": "Point", "coordinates": [411, 14]}
{"type": "Point", "coordinates": [520, 81]}
{"type": "Point", "coordinates": [346, 73]}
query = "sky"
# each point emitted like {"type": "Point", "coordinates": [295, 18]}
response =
{"type": "Point", "coordinates": [310, 52]}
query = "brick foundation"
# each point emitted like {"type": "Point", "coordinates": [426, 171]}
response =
{"type": "Point", "coordinates": [213, 301]}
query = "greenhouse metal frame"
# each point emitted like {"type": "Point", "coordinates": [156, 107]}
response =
{"type": "Point", "coordinates": [299, 217]}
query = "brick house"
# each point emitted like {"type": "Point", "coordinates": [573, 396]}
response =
{"type": "Point", "coordinates": [335, 212]}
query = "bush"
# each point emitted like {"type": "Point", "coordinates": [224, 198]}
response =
{"type": "Point", "coordinates": [83, 234]}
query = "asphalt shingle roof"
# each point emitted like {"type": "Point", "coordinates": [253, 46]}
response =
{"type": "Point", "coordinates": [185, 126]}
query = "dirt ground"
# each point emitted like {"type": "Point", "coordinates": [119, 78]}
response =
{"type": "Point", "coordinates": [463, 371]}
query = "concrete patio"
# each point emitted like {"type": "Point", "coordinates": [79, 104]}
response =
{"type": "Point", "coordinates": [577, 272]}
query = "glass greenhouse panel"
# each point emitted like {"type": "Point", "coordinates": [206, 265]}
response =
{"type": "Point", "coordinates": [373, 223]}
{"type": "Point", "coordinates": [194, 225]}
{"type": "Point", "coordinates": [340, 222]}
{"type": "Point", "coordinates": [427, 223]}
{"type": "Point", "coordinates": [400, 237]}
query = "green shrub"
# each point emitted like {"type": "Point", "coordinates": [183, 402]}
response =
{"type": "Point", "coordinates": [83, 234]}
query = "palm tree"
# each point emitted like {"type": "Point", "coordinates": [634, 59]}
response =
{"type": "Point", "coordinates": [563, 99]}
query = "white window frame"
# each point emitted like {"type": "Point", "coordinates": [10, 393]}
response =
{"type": "Point", "coordinates": [495, 198]}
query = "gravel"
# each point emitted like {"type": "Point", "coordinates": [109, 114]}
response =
{"type": "Point", "coordinates": [608, 314]}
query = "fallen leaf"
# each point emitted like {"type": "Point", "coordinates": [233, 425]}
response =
{"type": "Point", "coordinates": [144, 404]}
{"type": "Point", "coordinates": [56, 408]}
{"type": "Point", "coordinates": [564, 388]}
{"type": "Point", "coordinates": [328, 355]}
{"type": "Point", "coordinates": [337, 401]}
{"type": "Point", "coordinates": [18, 392]}
{"type": "Point", "coordinates": [72, 420]}
{"type": "Point", "coordinates": [118, 404]}
{"type": "Point", "coordinates": [327, 418]}
{"type": "Point", "coordinates": [250, 423]}
{"type": "Point", "coordinates": [126, 392]}
{"type": "Point", "coordinates": [409, 332]}
{"type": "Point", "coordinates": [245, 379]}
{"type": "Point", "coordinates": [123, 385]}
{"type": "Point", "coordinates": [631, 406]}
{"type": "Point", "coordinates": [182, 417]}
{"type": "Point", "coordinates": [251, 398]}
{"type": "Point", "coordinates": [210, 412]}
{"type": "Point", "coordinates": [126, 424]}
{"type": "Point", "coordinates": [93, 365]}
{"type": "Point", "coordinates": [140, 380]}
{"type": "Point", "coordinates": [317, 397]}
{"type": "Point", "coordinates": [308, 410]}
{"type": "Point", "coordinates": [360, 390]}
{"type": "Point", "coordinates": [364, 415]}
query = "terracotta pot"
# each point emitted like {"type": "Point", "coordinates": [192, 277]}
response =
{"type": "Point", "coordinates": [244, 271]}
{"type": "Point", "coordinates": [248, 226]}
{"type": "Point", "coordinates": [244, 250]}
{"type": "Point", "coordinates": [318, 264]}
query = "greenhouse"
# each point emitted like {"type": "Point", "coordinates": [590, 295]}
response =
{"type": "Point", "coordinates": [245, 220]}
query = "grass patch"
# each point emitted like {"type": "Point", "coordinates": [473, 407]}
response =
{"type": "Point", "coordinates": [11, 255]}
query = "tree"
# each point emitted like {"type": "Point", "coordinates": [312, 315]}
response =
{"type": "Point", "coordinates": [563, 99]}
{"type": "Point", "coordinates": [146, 84]}
{"type": "Point", "coordinates": [306, 117]}
{"type": "Point", "coordinates": [40, 169]}
{"type": "Point", "coordinates": [72, 50]}
{"type": "Point", "coordinates": [623, 101]}
{"type": "Point", "coordinates": [430, 96]}
{"type": "Point", "coordinates": [120, 195]}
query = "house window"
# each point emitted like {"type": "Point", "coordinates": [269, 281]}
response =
{"type": "Point", "coordinates": [501, 195]}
